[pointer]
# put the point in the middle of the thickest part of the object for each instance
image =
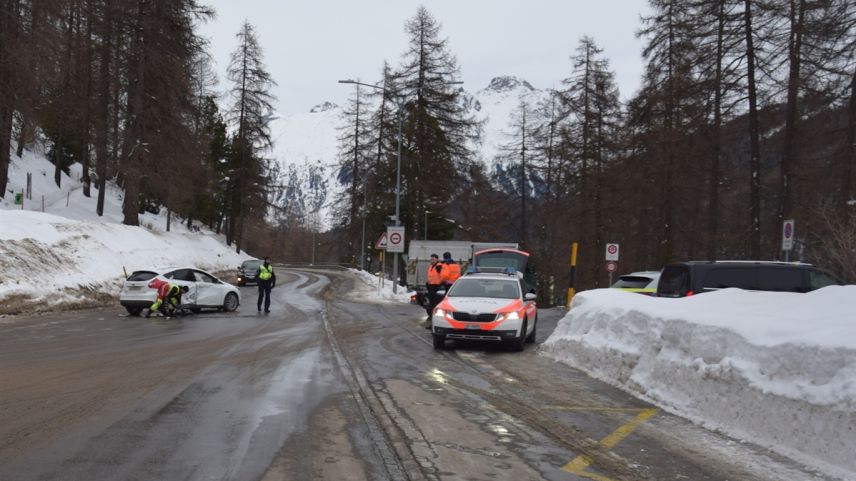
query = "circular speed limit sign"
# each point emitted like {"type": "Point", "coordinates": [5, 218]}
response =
{"type": "Point", "coordinates": [611, 267]}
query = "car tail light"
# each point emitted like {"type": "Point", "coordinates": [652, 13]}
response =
{"type": "Point", "coordinates": [690, 293]}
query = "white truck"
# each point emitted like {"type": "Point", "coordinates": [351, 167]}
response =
{"type": "Point", "coordinates": [419, 257]}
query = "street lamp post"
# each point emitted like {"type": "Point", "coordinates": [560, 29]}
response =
{"type": "Point", "coordinates": [400, 105]}
{"type": "Point", "coordinates": [426, 223]}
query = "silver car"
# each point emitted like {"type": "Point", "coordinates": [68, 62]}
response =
{"type": "Point", "coordinates": [205, 290]}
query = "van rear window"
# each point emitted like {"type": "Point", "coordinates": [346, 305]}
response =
{"type": "Point", "coordinates": [674, 282]}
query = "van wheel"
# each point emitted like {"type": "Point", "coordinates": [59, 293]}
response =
{"type": "Point", "coordinates": [133, 310]}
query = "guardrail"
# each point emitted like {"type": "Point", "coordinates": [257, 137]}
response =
{"type": "Point", "coordinates": [335, 267]}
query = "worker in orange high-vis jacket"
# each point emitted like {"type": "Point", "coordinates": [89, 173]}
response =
{"type": "Point", "coordinates": [434, 283]}
{"type": "Point", "coordinates": [451, 271]}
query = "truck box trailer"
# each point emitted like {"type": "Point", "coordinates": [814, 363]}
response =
{"type": "Point", "coordinates": [419, 257]}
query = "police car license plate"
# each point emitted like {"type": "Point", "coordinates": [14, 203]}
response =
{"type": "Point", "coordinates": [474, 326]}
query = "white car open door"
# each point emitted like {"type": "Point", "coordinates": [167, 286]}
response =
{"type": "Point", "coordinates": [185, 277]}
{"type": "Point", "coordinates": [209, 291]}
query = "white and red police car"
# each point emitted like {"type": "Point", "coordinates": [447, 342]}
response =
{"type": "Point", "coordinates": [487, 307]}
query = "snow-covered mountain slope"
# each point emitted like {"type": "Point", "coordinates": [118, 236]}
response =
{"type": "Point", "coordinates": [60, 252]}
{"type": "Point", "coordinates": [495, 105]}
{"type": "Point", "coordinates": [306, 144]}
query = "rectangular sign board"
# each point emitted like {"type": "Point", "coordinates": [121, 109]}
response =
{"type": "Point", "coordinates": [788, 235]}
{"type": "Point", "coordinates": [395, 239]}
{"type": "Point", "coordinates": [612, 252]}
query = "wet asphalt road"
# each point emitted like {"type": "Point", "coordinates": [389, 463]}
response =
{"type": "Point", "coordinates": [325, 387]}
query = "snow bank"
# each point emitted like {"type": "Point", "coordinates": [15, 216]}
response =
{"type": "Point", "coordinates": [370, 289]}
{"type": "Point", "coordinates": [43, 256]}
{"type": "Point", "coordinates": [778, 369]}
{"type": "Point", "coordinates": [59, 251]}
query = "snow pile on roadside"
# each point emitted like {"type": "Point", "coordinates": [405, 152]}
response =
{"type": "Point", "coordinates": [778, 369]}
{"type": "Point", "coordinates": [370, 289]}
{"type": "Point", "coordinates": [49, 259]}
{"type": "Point", "coordinates": [69, 255]}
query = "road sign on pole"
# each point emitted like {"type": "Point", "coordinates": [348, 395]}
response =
{"type": "Point", "coordinates": [395, 239]}
{"type": "Point", "coordinates": [381, 242]}
{"type": "Point", "coordinates": [612, 252]}
{"type": "Point", "coordinates": [611, 267]}
{"type": "Point", "coordinates": [788, 228]}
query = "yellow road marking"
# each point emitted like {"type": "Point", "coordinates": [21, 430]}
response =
{"type": "Point", "coordinates": [597, 409]}
{"type": "Point", "coordinates": [579, 464]}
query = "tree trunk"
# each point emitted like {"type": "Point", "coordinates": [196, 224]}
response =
{"type": "Point", "coordinates": [523, 181]}
{"type": "Point", "coordinates": [23, 135]}
{"type": "Point", "coordinates": [85, 69]}
{"type": "Point", "coordinates": [754, 141]}
{"type": "Point", "coordinates": [8, 38]}
{"type": "Point", "coordinates": [668, 207]}
{"type": "Point", "coordinates": [787, 171]}
{"type": "Point", "coordinates": [850, 155]}
{"type": "Point", "coordinates": [5, 137]}
{"type": "Point", "coordinates": [135, 136]}
{"type": "Point", "coordinates": [713, 201]}
{"type": "Point", "coordinates": [102, 107]}
{"type": "Point", "coordinates": [239, 235]}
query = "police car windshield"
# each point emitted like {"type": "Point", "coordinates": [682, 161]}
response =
{"type": "Point", "coordinates": [251, 265]}
{"type": "Point", "coordinates": [492, 288]}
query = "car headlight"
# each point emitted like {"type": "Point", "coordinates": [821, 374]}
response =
{"type": "Point", "coordinates": [439, 313]}
{"type": "Point", "coordinates": [511, 316]}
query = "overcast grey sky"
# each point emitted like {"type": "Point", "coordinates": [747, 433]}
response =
{"type": "Point", "coordinates": [310, 44]}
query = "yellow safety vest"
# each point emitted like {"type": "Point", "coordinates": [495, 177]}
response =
{"type": "Point", "coordinates": [265, 273]}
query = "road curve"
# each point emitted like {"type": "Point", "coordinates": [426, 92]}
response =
{"type": "Point", "coordinates": [326, 386]}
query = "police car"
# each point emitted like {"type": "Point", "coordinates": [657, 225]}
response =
{"type": "Point", "coordinates": [485, 306]}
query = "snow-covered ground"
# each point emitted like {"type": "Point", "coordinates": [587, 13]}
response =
{"type": "Point", "coordinates": [778, 369]}
{"type": "Point", "coordinates": [375, 289]}
{"type": "Point", "coordinates": [69, 255]}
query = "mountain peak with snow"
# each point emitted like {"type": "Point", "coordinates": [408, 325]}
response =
{"type": "Point", "coordinates": [323, 107]}
{"type": "Point", "coordinates": [507, 83]}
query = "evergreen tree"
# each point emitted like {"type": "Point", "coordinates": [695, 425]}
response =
{"type": "Point", "coordinates": [156, 136]}
{"type": "Point", "coordinates": [383, 130]}
{"type": "Point", "coordinates": [519, 152]}
{"type": "Point", "coordinates": [355, 152]}
{"type": "Point", "coordinates": [250, 116]}
{"type": "Point", "coordinates": [438, 131]}
{"type": "Point", "coordinates": [593, 110]}
{"type": "Point", "coordinates": [670, 88]}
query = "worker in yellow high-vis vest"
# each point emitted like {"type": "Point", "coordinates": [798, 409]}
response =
{"type": "Point", "coordinates": [266, 280]}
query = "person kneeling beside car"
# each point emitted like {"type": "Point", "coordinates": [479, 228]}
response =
{"type": "Point", "coordinates": [168, 299]}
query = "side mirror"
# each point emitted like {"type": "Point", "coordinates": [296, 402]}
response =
{"type": "Point", "coordinates": [530, 296]}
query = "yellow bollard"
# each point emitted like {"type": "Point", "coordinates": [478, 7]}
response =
{"type": "Point", "coordinates": [571, 292]}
